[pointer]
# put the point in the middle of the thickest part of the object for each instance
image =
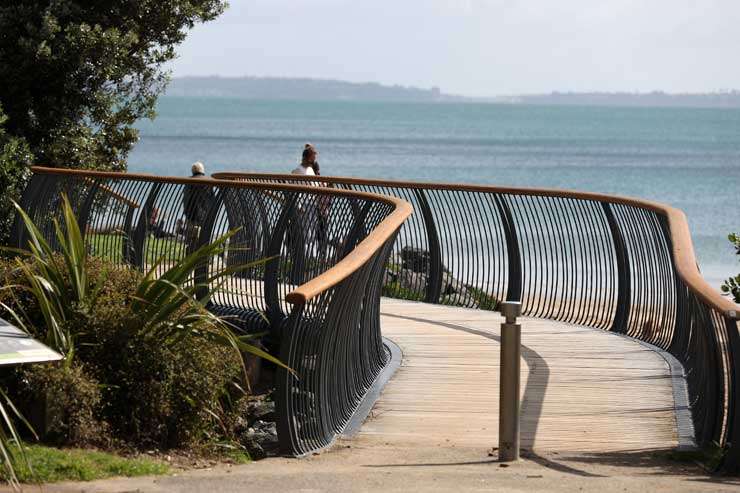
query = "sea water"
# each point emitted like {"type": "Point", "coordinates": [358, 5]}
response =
{"type": "Point", "coordinates": [688, 158]}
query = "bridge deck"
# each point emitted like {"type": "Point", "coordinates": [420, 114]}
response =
{"type": "Point", "coordinates": [583, 390]}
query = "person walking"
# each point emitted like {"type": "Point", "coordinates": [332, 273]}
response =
{"type": "Point", "coordinates": [307, 236]}
{"type": "Point", "coordinates": [309, 165]}
{"type": "Point", "coordinates": [197, 201]}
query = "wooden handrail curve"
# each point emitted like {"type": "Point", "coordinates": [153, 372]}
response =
{"type": "Point", "coordinates": [344, 268]}
{"type": "Point", "coordinates": [683, 249]}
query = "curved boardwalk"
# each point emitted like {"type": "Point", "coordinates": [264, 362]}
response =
{"type": "Point", "coordinates": [583, 390]}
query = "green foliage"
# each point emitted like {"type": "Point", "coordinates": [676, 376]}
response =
{"type": "Point", "coordinates": [15, 156]}
{"type": "Point", "coordinates": [394, 289]}
{"type": "Point", "coordinates": [168, 367]}
{"type": "Point", "coordinates": [53, 464]}
{"type": "Point", "coordinates": [110, 246]}
{"type": "Point", "coordinates": [484, 300]}
{"type": "Point", "coordinates": [11, 455]}
{"type": "Point", "coordinates": [731, 287]}
{"type": "Point", "coordinates": [59, 282]}
{"type": "Point", "coordinates": [158, 392]}
{"type": "Point", "coordinates": [78, 74]}
{"type": "Point", "coordinates": [71, 400]}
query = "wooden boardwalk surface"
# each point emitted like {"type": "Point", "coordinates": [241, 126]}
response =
{"type": "Point", "coordinates": [583, 390]}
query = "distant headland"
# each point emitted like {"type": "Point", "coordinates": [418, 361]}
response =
{"type": "Point", "coordinates": [298, 89]}
{"type": "Point", "coordinates": [278, 88]}
{"type": "Point", "coordinates": [724, 99]}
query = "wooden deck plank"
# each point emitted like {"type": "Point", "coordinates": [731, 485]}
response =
{"type": "Point", "coordinates": [583, 390]}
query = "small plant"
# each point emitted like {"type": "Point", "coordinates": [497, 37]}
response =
{"type": "Point", "coordinates": [731, 287]}
{"type": "Point", "coordinates": [11, 450]}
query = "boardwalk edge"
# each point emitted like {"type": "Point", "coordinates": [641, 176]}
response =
{"type": "Point", "coordinates": [373, 393]}
{"type": "Point", "coordinates": [681, 403]}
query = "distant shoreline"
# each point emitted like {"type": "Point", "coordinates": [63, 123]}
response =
{"type": "Point", "coordinates": [303, 89]}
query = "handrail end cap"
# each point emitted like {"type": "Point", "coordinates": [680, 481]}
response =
{"type": "Point", "coordinates": [295, 298]}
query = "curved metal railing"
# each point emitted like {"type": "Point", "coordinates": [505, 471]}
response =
{"type": "Point", "coordinates": [604, 261]}
{"type": "Point", "coordinates": [318, 296]}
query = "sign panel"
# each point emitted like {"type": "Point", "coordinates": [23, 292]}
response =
{"type": "Point", "coordinates": [17, 347]}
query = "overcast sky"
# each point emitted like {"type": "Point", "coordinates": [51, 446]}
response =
{"type": "Point", "coordinates": [477, 47]}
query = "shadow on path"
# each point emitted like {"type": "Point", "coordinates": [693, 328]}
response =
{"type": "Point", "coordinates": [531, 408]}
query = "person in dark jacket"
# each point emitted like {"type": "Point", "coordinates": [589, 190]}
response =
{"type": "Point", "coordinates": [197, 201]}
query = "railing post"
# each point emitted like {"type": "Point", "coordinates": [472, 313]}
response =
{"type": "Point", "coordinates": [511, 342]}
{"type": "Point", "coordinates": [514, 288]}
{"type": "Point", "coordinates": [434, 281]}
{"type": "Point", "coordinates": [134, 240]}
{"type": "Point", "coordinates": [271, 281]}
{"type": "Point", "coordinates": [621, 315]}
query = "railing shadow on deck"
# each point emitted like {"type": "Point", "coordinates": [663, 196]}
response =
{"type": "Point", "coordinates": [603, 261]}
{"type": "Point", "coordinates": [318, 297]}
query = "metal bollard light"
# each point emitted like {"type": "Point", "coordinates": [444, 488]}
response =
{"type": "Point", "coordinates": [508, 424]}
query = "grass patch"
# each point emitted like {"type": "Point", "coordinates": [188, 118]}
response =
{"type": "Point", "coordinates": [485, 301]}
{"type": "Point", "coordinates": [110, 246]}
{"type": "Point", "coordinates": [395, 290]}
{"type": "Point", "coordinates": [236, 455]}
{"type": "Point", "coordinates": [52, 464]}
{"type": "Point", "coordinates": [710, 457]}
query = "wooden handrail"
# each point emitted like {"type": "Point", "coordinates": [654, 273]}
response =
{"type": "Point", "coordinates": [361, 254]}
{"type": "Point", "coordinates": [114, 194]}
{"type": "Point", "coordinates": [683, 249]}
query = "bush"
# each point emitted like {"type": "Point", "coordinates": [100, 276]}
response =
{"type": "Point", "coordinates": [167, 367]}
{"type": "Point", "coordinates": [15, 157]}
{"type": "Point", "coordinates": [148, 393]}
{"type": "Point", "coordinates": [159, 395]}
{"type": "Point", "coordinates": [71, 403]}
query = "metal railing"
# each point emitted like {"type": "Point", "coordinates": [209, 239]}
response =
{"type": "Point", "coordinates": [318, 296]}
{"type": "Point", "coordinates": [603, 261]}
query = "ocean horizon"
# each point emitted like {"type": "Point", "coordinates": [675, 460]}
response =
{"type": "Point", "coordinates": [685, 157]}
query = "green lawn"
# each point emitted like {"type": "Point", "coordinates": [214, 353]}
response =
{"type": "Point", "coordinates": [51, 464]}
{"type": "Point", "coordinates": [110, 246]}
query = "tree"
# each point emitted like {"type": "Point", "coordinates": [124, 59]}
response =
{"type": "Point", "coordinates": [77, 74]}
{"type": "Point", "coordinates": [14, 159]}
{"type": "Point", "coordinates": [731, 286]}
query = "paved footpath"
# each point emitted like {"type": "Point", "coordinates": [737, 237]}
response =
{"type": "Point", "coordinates": [597, 415]}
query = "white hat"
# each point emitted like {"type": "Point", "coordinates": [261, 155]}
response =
{"type": "Point", "coordinates": [198, 168]}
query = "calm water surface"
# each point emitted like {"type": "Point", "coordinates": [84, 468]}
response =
{"type": "Point", "coordinates": [689, 158]}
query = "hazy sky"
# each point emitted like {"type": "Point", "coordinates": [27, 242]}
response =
{"type": "Point", "coordinates": [477, 47]}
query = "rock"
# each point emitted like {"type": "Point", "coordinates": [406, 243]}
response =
{"type": "Point", "coordinates": [450, 285]}
{"type": "Point", "coordinates": [408, 279]}
{"type": "Point", "coordinates": [260, 439]}
{"type": "Point", "coordinates": [389, 277]}
{"type": "Point", "coordinates": [261, 410]}
{"type": "Point", "coordinates": [415, 259]}
{"type": "Point", "coordinates": [459, 299]}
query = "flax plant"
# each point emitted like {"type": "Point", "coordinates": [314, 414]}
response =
{"type": "Point", "coordinates": [166, 307]}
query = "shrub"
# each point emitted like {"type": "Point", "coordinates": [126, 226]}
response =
{"type": "Point", "coordinates": [166, 365]}
{"type": "Point", "coordinates": [731, 286]}
{"type": "Point", "coordinates": [157, 395]}
{"type": "Point", "coordinates": [150, 394]}
{"type": "Point", "coordinates": [71, 398]}
{"type": "Point", "coordinates": [15, 156]}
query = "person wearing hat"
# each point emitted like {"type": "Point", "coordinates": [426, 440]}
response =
{"type": "Point", "coordinates": [197, 201]}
